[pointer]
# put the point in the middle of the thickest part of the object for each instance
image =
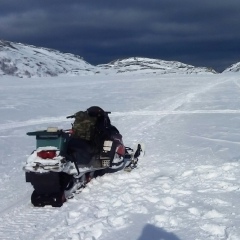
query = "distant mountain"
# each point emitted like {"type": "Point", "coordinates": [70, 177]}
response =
{"type": "Point", "coordinates": [22, 60]}
{"type": "Point", "coordinates": [148, 65]}
{"type": "Point", "coordinates": [233, 68]}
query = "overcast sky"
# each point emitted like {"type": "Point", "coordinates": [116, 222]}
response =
{"type": "Point", "coordinates": [201, 33]}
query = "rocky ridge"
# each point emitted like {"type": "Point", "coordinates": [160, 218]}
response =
{"type": "Point", "coordinates": [233, 68]}
{"type": "Point", "coordinates": [148, 65]}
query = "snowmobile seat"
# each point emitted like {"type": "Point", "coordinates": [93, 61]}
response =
{"type": "Point", "coordinates": [83, 153]}
{"type": "Point", "coordinates": [77, 143]}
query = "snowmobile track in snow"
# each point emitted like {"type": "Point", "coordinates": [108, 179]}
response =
{"type": "Point", "coordinates": [25, 222]}
{"type": "Point", "coordinates": [32, 122]}
{"type": "Point", "coordinates": [159, 113]}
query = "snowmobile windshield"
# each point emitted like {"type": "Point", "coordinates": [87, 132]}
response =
{"type": "Point", "coordinates": [95, 111]}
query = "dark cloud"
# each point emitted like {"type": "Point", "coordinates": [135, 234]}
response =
{"type": "Point", "coordinates": [201, 33]}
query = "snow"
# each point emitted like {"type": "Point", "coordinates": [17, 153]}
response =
{"type": "Point", "coordinates": [23, 60]}
{"type": "Point", "coordinates": [233, 68]}
{"type": "Point", "coordinates": [186, 186]}
{"type": "Point", "coordinates": [34, 162]}
{"type": "Point", "coordinates": [141, 65]}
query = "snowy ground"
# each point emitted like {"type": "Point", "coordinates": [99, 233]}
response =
{"type": "Point", "coordinates": [186, 187]}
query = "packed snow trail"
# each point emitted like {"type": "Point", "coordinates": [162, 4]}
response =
{"type": "Point", "coordinates": [186, 187]}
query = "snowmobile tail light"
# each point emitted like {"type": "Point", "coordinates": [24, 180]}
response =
{"type": "Point", "coordinates": [120, 150]}
{"type": "Point", "coordinates": [47, 154]}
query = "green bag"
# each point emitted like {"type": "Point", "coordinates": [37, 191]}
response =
{"type": "Point", "coordinates": [84, 126]}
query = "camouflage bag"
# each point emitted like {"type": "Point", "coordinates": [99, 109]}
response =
{"type": "Point", "coordinates": [84, 126]}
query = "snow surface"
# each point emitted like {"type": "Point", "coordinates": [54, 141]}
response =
{"type": "Point", "coordinates": [185, 188]}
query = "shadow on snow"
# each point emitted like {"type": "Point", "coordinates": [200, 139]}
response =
{"type": "Point", "coordinates": [154, 233]}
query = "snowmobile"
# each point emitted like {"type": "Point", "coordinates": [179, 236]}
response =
{"type": "Point", "coordinates": [64, 162]}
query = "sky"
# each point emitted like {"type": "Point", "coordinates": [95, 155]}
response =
{"type": "Point", "coordinates": [200, 33]}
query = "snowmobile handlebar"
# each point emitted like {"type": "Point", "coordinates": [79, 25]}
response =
{"type": "Point", "coordinates": [73, 116]}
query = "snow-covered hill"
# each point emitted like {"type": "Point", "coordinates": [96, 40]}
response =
{"type": "Point", "coordinates": [148, 65]}
{"type": "Point", "coordinates": [233, 68]}
{"type": "Point", "coordinates": [21, 60]}
{"type": "Point", "coordinates": [187, 186]}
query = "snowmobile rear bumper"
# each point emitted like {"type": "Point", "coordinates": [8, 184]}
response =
{"type": "Point", "coordinates": [44, 182]}
{"type": "Point", "coordinates": [48, 188]}
{"type": "Point", "coordinates": [49, 182]}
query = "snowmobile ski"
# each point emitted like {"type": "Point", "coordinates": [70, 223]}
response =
{"type": "Point", "coordinates": [137, 152]}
